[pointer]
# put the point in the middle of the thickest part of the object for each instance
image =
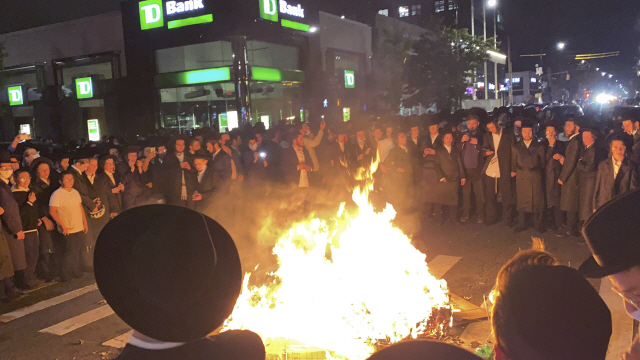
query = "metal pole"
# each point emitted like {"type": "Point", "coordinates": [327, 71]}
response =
{"type": "Point", "coordinates": [484, 22]}
{"type": "Point", "coordinates": [495, 45]}
{"type": "Point", "coordinates": [510, 70]}
{"type": "Point", "coordinates": [473, 33]}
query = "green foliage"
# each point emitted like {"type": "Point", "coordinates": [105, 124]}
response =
{"type": "Point", "coordinates": [441, 65]}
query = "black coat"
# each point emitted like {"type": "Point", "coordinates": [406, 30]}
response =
{"type": "Point", "coordinates": [273, 158]}
{"type": "Point", "coordinates": [415, 151]}
{"type": "Point", "coordinates": [43, 196]}
{"type": "Point", "coordinates": [504, 163]}
{"type": "Point", "coordinates": [367, 152]}
{"type": "Point", "coordinates": [588, 170]}
{"type": "Point", "coordinates": [255, 171]}
{"type": "Point", "coordinates": [221, 166]}
{"type": "Point", "coordinates": [552, 170]}
{"type": "Point", "coordinates": [634, 154]}
{"type": "Point", "coordinates": [11, 225]}
{"type": "Point", "coordinates": [528, 164]}
{"type": "Point", "coordinates": [134, 193]}
{"type": "Point", "coordinates": [570, 195]}
{"type": "Point", "coordinates": [429, 174]}
{"type": "Point", "coordinates": [399, 185]}
{"type": "Point", "coordinates": [290, 164]}
{"type": "Point", "coordinates": [606, 187]}
{"type": "Point", "coordinates": [28, 211]}
{"type": "Point", "coordinates": [114, 201]}
{"type": "Point", "coordinates": [80, 184]}
{"type": "Point", "coordinates": [448, 167]}
{"type": "Point", "coordinates": [172, 173]}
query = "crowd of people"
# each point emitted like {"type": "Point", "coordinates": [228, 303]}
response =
{"type": "Point", "coordinates": [481, 166]}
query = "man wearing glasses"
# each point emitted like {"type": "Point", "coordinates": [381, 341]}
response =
{"type": "Point", "coordinates": [612, 236]}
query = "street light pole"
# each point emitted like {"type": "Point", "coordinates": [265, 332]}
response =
{"type": "Point", "coordinates": [473, 34]}
{"type": "Point", "coordinates": [495, 45]}
{"type": "Point", "coordinates": [484, 22]}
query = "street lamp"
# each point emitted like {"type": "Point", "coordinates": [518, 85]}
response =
{"type": "Point", "coordinates": [604, 73]}
{"type": "Point", "coordinates": [561, 45]}
{"type": "Point", "coordinates": [491, 4]}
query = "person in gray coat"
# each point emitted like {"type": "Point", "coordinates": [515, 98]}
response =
{"type": "Point", "coordinates": [569, 177]}
{"type": "Point", "coordinates": [616, 175]}
{"type": "Point", "coordinates": [451, 174]}
{"type": "Point", "coordinates": [527, 164]}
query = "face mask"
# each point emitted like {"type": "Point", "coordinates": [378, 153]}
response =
{"type": "Point", "coordinates": [6, 174]}
{"type": "Point", "coordinates": [253, 147]}
{"type": "Point", "coordinates": [360, 141]}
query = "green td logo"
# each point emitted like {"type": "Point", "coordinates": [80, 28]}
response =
{"type": "Point", "coordinates": [84, 88]}
{"type": "Point", "coordinates": [15, 95]}
{"type": "Point", "coordinates": [349, 79]}
{"type": "Point", "coordinates": [151, 14]}
{"type": "Point", "coordinates": [269, 10]}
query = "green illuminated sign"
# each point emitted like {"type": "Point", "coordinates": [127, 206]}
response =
{"type": "Point", "coordinates": [193, 77]}
{"type": "Point", "coordinates": [15, 95]}
{"type": "Point", "coordinates": [151, 14]}
{"type": "Point", "coordinates": [294, 25]}
{"type": "Point", "coordinates": [190, 21]}
{"type": "Point", "coordinates": [269, 10]}
{"type": "Point", "coordinates": [269, 74]}
{"type": "Point", "coordinates": [84, 88]}
{"type": "Point", "coordinates": [93, 126]}
{"type": "Point", "coordinates": [349, 79]}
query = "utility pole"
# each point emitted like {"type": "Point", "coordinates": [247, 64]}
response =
{"type": "Point", "coordinates": [510, 65]}
{"type": "Point", "coordinates": [473, 33]}
{"type": "Point", "coordinates": [486, 77]}
{"type": "Point", "coordinates": [495, 45]}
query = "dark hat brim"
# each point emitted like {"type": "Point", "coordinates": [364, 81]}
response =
{"type": "Point", "coordinates": [591, 269]}
{"type": "Point", "coordinates": [169, 272]}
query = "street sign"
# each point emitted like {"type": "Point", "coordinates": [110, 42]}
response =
{"type": "Point", "coordinates": [16, 96]}
{"type": "Point", "coordinates": [349, 79]}
{"type": "Point", "coordinates": [93, 126]}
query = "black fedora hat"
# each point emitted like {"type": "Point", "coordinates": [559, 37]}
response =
{"type": "Point", "coordinates": [423, 350]}
{"type": "Point", "coordinates": [612, 235]}
{"type": "Point", "coordinates": [169, 272]}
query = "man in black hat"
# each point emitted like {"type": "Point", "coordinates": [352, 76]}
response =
{"type": "Point", "coordinates": [528, 162]}
{"type": "Point", "coordinates": [630, 125]}
{"type": "Point", "coordinates": [364, 151]}
{"type": "Point", "coordinates": [12, 254]}
{"type": "Point", "coordinates": [553, 168]}
{"type": "Point", "coordinates": [569, 177]}
{"type": "Point", "coordinates": [613, 240]}
{"type": "Point", "coordinates": [497, 173]}
{"type": "Point", "coordinates": [178, 173]}
{"type": "Point", "coordinates": [428, 175]}
{"type": "Point", "coordinates": [205, 184]}
{"type": "Point", "coordinates": [133, 178]}
{"type": "Point", "coordinates": [616, 175]}
{"type": "Point", "coordinates": [174, 294]}
{"type": "Point", "coordinates": [470, 145]}
{"type": "Point", "coordinates": [587, 166]}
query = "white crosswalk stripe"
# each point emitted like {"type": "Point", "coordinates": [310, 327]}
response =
{"type": "Point", "coordinates": [120, 341]}
{"type": "Point", "coordinates": [5, 318]}
{"type": "Point", "coordinates": [79, 321]}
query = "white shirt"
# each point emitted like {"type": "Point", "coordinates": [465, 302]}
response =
{"type": "Point", "coordinates": [448, 148]}
{"type": "Point", "coordinates": [304, 180]}
{"type": "Point", "coordinates": [91, 178]}
{"type": "Point", "coordinates": [433, 139]}
{"type": "Point", "coordinates": [493, 170]}
{"type": "Point", "coordinates": [527, 143]}
{"type": "Point", "coordinates": [110, 175]}
{"type": "Point", "coordinates": [616, 167]}
{"type": "Point", "coordinates": [201, 173]}
{"type": "Point", "coordinates": [180, 157]}
{"type": "Point", "coordinates": [69, 208]}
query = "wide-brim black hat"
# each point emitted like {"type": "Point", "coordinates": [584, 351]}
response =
{"type": "Point", "coordinates": [423, 349]}
{"type": "Point", "coordinates": [169, 272]}
{"type": "Point", "coordinates": [201, 154]}
{"type": "Point", "coordinates": [5, 157]}
{"type": "Point", "coordinates": [612, 235]}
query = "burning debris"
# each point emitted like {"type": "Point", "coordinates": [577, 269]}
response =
{"type": "Point", "coordinates": [344, 287]}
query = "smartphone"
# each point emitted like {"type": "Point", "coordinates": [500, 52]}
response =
{"type": "Point", "coordinates": [263, 155]}
{"type": "Point", "coordinates": [153, 149]}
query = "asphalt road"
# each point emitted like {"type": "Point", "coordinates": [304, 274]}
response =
{"type": "Point", "coordinates": [75, 323]}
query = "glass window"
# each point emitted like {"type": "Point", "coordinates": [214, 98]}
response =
{"type": "Point", "coordinates": [274, 102]}
{"type": "Point", "coordinates": [269, 55]}
{"type": "Point", "coordinates": [194, 57]}
{"type": "Point", "coordinates": [453, 4]}
{"type": "Point", "coordinates": [403, 11]}
{"type": "Point", "coordinates": [415, 10]}
{"type": "Point", "coordinates": [439, 4]}
{"type": "Point", "coordinates": [384, 12]}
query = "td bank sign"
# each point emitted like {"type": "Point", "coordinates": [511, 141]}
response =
{"type": "Point", "coordinates": [15, 95]}
{"type": "Point", "coordinates": [272, 10]}
{"type": "Point", "coordinates": [153, 13]}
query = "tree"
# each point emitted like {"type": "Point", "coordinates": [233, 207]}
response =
{"type": "Point", "coordinates": [394, 48]}
{"type": "Point", "coordinates": [440, 65]}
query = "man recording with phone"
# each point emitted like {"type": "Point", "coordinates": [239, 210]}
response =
{"type": "Point", "coordinates": [255, 166]}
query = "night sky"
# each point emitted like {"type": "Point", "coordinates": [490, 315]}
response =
{"type": "Point", "coordinates": [587, 26]}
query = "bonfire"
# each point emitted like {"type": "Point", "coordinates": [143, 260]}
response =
{"type": "Point", "coordinates": [344, 287]}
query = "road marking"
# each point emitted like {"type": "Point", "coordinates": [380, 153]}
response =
{"type": "Point", "coordinates": [40, 287]}
{"type": "Point", "coordinates": [79, 321]}
{"type": "Point", "coordinates": [119, 342]}
{"type": "Point", "coordinates": [441, 264]}
{"type": "Point", "coordinates": [47, 303]}
{"type": "Point", "coordinates": [622, 324]}
{"type": "Point", "coordinates": [476, 332]}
